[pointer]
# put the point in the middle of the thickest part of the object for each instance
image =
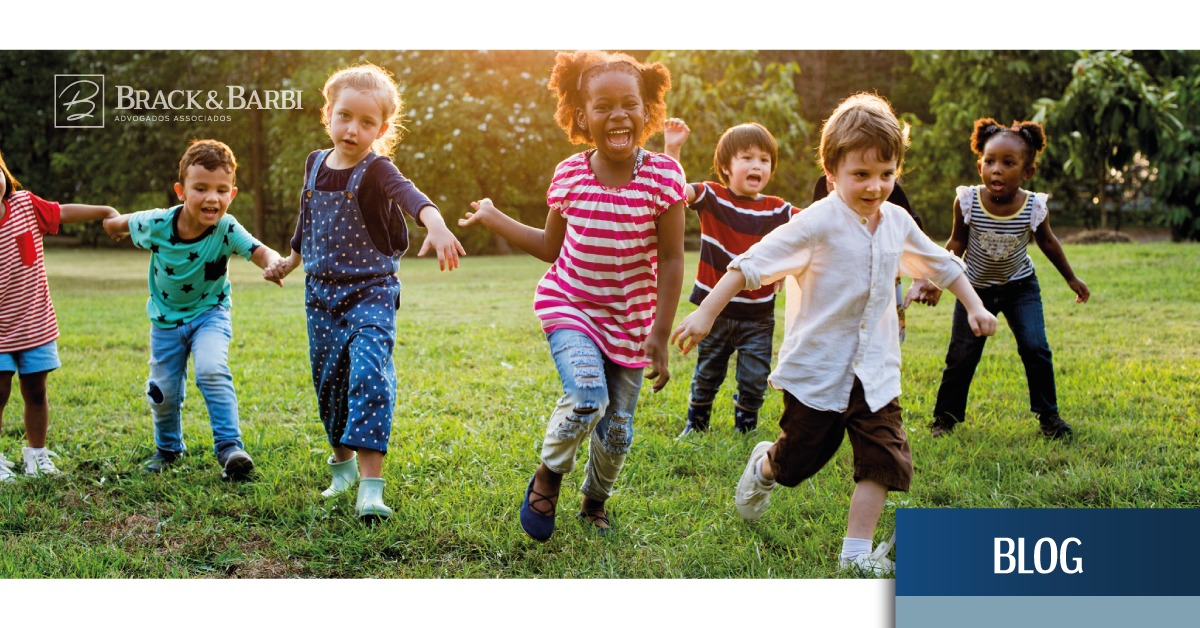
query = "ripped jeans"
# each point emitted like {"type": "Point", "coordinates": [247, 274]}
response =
{"type": "Point", "coordinates": [598, 399]}
{"type": "Point", "coordinates": [206, 338]}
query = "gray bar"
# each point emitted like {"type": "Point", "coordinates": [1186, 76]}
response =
{"type": "Point", "coordinates": [1050, 612]}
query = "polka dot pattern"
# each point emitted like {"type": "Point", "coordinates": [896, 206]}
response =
{"type": "Point", "coordinates": [351, 295]}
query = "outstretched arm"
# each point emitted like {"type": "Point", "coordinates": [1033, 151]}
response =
{"type": "Point", "coordinates": [675, 134]}
{"type": "Point", "coordinates": [116, 227]}
{"type": "Point", "coordinates": [670, 282]}
{"type": "Point", "coordinates": [75, 212]}
{"type": "Point", "coordinates": [281, 267]}
{"type": "Point", "coordinates": [439, 238]}
{"type": "Point", "coordinates": [695, 326]}
{"type": "Point", "coordinates": [263, 257]}
{"type": "Point", "coordinates": [982, 322]}
{"type": "Point", "coordinates": [543, 244]}
{"type": "Point", "coordinates": [1050, 245]}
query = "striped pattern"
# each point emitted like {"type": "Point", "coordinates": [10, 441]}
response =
{"type": "Point", "coordinates": [26, 312]}
{"type": "Point", "coordinates": [996, 247]}
{"type": "Point", "coordinates": [729, 225]}
{"type": "Point", "coordinates": [604, 282]}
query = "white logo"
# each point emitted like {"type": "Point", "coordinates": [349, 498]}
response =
{"type": "Point", "coordinates": [78, 101]}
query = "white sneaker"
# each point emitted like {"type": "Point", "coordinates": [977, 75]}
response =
{"type": "Point", "coordinates": [753, 495]}
{"type": "Point", "coordinates": [39, 463]}
{"type": "Point", "coordinates": [873, 563]}
{"type": "Point", "coordinates": [6, 472]}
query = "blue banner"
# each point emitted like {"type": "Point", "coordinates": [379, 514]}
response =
{"type": "Point", "coordinates": [1047, 552]}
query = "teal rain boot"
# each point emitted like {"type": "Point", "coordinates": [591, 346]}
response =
{"type": "Point", "coordinates": [370, 504]}
{"type": "Point", "coordinates": [345, 473]}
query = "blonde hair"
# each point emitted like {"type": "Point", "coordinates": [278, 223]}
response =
{"type": "Point", "coordinates": [862, 122]}
{"type": "Point", "coordinates": [370, 78]}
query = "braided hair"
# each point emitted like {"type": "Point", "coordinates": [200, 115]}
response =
{"type": "Point", "coordinates": [572, 72]}
{"type": "Point", "coordinates": [1030, 133]}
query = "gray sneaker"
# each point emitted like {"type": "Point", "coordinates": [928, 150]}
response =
{"type": "Point", "coordinates": [6, 470]}
{"type": "Point", "coordinates": [235, 463]}
{"type": "Point", "coordinates": [752, 494]}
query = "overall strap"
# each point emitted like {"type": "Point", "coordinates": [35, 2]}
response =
{"type": "Point", "coordinates": [360, 171]}
{"type": "Point", "coordinates": [316, 167]}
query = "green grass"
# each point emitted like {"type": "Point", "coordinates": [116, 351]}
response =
{"type": "Point", "coordinates": [476, 386]}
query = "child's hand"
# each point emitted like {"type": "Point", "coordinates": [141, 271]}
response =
{"type": "Point", "coordinates": [922, 291]}
{"type": "Point", "coordinates": [278, 269]}
{"type": "Point", "coordinates": [657, 372]}
{"type": "Point", "coordinates": [483, 210]}
{"type": "Point", "coordinates": [1082, 294]}
{"type": "Point", "coordinates": [447, 246]}
{"type": "Point", "coordinates": [982, 322]}
{"type": "Point", "coordinates": [692, 330]}
{"type": "Point", "coordinates": [675, 133]}
{"type": "Point", "coordinates": [113, 228]}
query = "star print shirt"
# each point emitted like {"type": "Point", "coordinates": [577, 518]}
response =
{"type": "Point", "coordinates": [187, 277]}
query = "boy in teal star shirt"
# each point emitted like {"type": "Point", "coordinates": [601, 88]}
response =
{"type": "Point", "coordinates": [190, 245]}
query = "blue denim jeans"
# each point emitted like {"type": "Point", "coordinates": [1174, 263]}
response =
{"type": "Point", "coordinates": [752, 340]}
{"type": "Point", "coordinates": [599, 397]}
{"type": "Point", "coordinates": [206, 338]}
{"type": "Point", "coordinates": [1021, 304]}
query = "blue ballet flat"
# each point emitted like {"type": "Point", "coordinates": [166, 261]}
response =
{"type": "Point", "coordinates": [538, 526]}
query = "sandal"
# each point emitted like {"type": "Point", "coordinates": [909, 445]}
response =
{"type": "Point", "coordinates": [596, 516]}
{"type": "Point", "coordinates": [534, 521]}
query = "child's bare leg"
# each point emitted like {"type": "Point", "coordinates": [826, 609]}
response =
{"type": "Point", "coordinates": [37, 408]}
{"type": "Point", "coordinates": [342, 454]}
{"type": "Point", "coordinates": [767, 470]}
{"type": "Point", "coordinates": [548, 483]}
{"type": "Point", "coordinates": [865, 507]}
{"type": "Point", "coordinates": [5, 390]}
{"type": "Point", "coordinates": [370, 463]}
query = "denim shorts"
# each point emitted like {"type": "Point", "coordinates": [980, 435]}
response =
{"type": "Point", "coordinates": [29, 361]}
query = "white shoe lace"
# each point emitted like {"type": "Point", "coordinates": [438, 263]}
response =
{"type": "Point", "coordinates": [45, 466]}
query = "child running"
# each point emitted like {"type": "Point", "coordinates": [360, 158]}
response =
{"type": "Point", "coordinates": [734, 214]}
{"type": "Point", "coordinates": [190, 299]}
{"type": "Point", "coordinates": [993, 224]}
{"type": "Point", "coordinates": [614, 239]}
{"type": "Point", "coordinates": [839, 366]}
{"type": "Point", "coordinates": [28, 327]}
{"type": "Point", "coordinates": [350, 236]}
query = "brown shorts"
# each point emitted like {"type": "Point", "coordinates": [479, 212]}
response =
{"type": "Point", "coordinates": [811, 437]}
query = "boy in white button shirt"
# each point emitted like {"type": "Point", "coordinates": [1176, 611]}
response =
{"type": "Point", "coordinates": [839, 366]}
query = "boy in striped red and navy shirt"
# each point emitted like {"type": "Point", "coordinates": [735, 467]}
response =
{"type": "Point", "coordinates": [734, 214]}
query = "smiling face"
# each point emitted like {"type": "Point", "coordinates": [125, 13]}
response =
{"type": "Point", "coordinates": [863, 181]}
{"type": "Point", "coordinates": [355, 122]}
{"type": "Point", "coordinates": [1004, 166]}
{"type": "Point", "coordinates": [614, 114]}
{"type": "Point", "coordinates": [206, 195]}
{"type": "Point", "coordinates": [748, 172]}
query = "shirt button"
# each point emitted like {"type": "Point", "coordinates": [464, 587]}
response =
{"type": "Point", "coordinates": [862, 326]}
{"type": "Point", "coordinates": [856, 364]}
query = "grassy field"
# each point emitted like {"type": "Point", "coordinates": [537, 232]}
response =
{"type": "Point", "coordinates": [475, 388]}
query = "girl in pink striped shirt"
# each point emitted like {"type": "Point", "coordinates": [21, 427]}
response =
{"type": "Point", "coordinates": [614, 238]}
{"type": "Point", "coordinates": [28, 327]}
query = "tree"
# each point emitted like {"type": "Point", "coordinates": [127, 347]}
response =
{"type": "Point", "coordinates": [968, 85]}
{"type": "Point", "coordinates": [714, 90]}
{"type": "Point", "coordinates": [1111, 111]}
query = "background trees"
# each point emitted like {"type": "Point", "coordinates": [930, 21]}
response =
{"type": "Point", "coordinates": [1122, 125]}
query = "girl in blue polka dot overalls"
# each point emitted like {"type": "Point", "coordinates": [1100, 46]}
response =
{"type": "Point", "coordinates": [350, 241]}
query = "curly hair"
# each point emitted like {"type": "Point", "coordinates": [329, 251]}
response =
{"type": "Point", "coordinates": [10, 182]}
{"type": "Point", "coordinates": [742, 137]}
{"type": "Point", "coordinates": [370, 78]}
{"type": "Point", "coordinates": [861, 122]}
{"type": "Point", "coordinates": [210, 155]}
{"type": "Point", "coordinates": [1031, 133]}
{"type": "Point", "coordinates": [572, 72]}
